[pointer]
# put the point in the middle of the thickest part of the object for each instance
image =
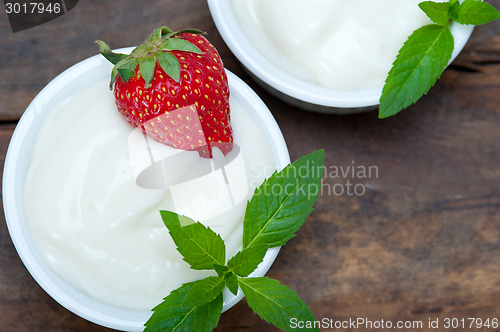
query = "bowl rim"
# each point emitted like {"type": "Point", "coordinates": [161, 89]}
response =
{"type": "Point", "coordinates": [73, 300]}
{"type": "Point", "coordinates": [289, 85]}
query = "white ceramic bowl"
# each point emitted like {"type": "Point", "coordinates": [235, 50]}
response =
{"type": "Point", "coordinates": [17, 162]}
{"type": "Point", "coordinates": [291, 89]}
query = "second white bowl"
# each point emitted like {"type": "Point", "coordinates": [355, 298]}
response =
{"type": "Point", "coordinates": [288, 87]}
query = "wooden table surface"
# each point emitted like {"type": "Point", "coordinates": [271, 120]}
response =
{"type": "Point", "coordinates": [422, 241]}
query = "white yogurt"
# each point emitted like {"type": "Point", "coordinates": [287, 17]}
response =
{"type": "Point", "coordinates": [101, 231]}
{"type": "Point", "coordinates": [339, 44]}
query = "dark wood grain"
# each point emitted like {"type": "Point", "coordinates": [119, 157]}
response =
{"type": "Point", "coordinates": [422, 242]}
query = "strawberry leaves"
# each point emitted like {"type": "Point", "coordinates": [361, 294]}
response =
{"type": "Point", "coordinates": [156, 49]}
{"type": "Point", "coordinates": [170, 65]}
{"type": "Point", "coordinates": [436, 11]}
{"type": "Point", "coordinates": [203, 291]}
{"type": "Point", "coordinates": [197, 306]}
{"type": "Point", "coordinates": [276, 303]}
{"type": "Point", "coordinates": [427, 52]}
{"type": "Point", "coordinates": [126, 68]}
{"type": "Point", "coordinates": [105, 50]}
{"type": "Point", "coordinates": [201, 247]}
{"type": "Point", "coordinates": [475, 12]}
{"type": "Point", "coordinates": [176, 44]}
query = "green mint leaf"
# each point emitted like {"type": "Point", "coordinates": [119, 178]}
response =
{"type": "Point", "coordinates": [280, 205]}
{"type": "Point", "coordinates": [436, 11]}
{"type": "Point", "coordinates": [189, 30]}
{"type": "Point", "coordinates": [231, 282]}
{"type": "Point", "coordinates": [420, 62]}
{"type": "Point", "coordinates": [178, 44]}
{"type": "Point", "coordinates": [454, 9]}
{"type": "Point", "coordinates": [147, 69]}
{"type": "Point", "coordinates": [160, 32]}
{"type": "Point", "coordinates": [125, 73]}
{"type": "Point", "coordinates": [247, 260]}
{"type": "Point", "coordinates": [114, 73]}
{"type": "Point", "coordinates": [276, 303]}
{"type": "Point", "coordinates": [475, 12]}
{"type": "Point", "coordinates": [203, 292]}
{"type": "Point", "coordinates": [201, 247]}
{"type": "Point", "coordinates": [125, 67]}
{"type": "Point", "coordinates": [170, 65]}
{"type": "Point", "coordinates": [171, 316]}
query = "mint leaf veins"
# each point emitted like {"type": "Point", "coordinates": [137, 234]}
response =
{"type": "Point", "coordinates": [203, 291]}
{"type": "Point", "coordinates": [475, 12]}
{"type": "Point", "coordinates": [275, 303]}
{"type": "Point", "coordinates": [280, 205]}
{"type": "Point", "coordinates": [273, 216]}
{"type": "Point", "coordinates": [171, 315]}
{"type": "Point", "coordinates": [419, 64]}
{"type": "Point", "coordinates": [427, 52]}
{"type": "Point", "coordinates": [201, 247]}
{"type": "Point", "coordinates": [436, 11]}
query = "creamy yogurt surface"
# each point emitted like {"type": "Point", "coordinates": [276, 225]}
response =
{"type": "Point", "coordinates": [99, 228]}
{"type": "Point", "coordinates": [339, 44]}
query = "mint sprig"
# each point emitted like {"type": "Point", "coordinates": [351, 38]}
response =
{"type": "Point", "coordinates": [427, 52]}
{"type": "Point", "coordinates": [203, 291]}
{"type": "Point", "coordinates": [274, 214]}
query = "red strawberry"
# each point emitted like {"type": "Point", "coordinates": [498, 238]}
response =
{"type": "Point", "coordinates": [174, 87]}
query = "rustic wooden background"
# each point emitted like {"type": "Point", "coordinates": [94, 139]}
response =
{"type": "Point", "coordinates": [422, 243]}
